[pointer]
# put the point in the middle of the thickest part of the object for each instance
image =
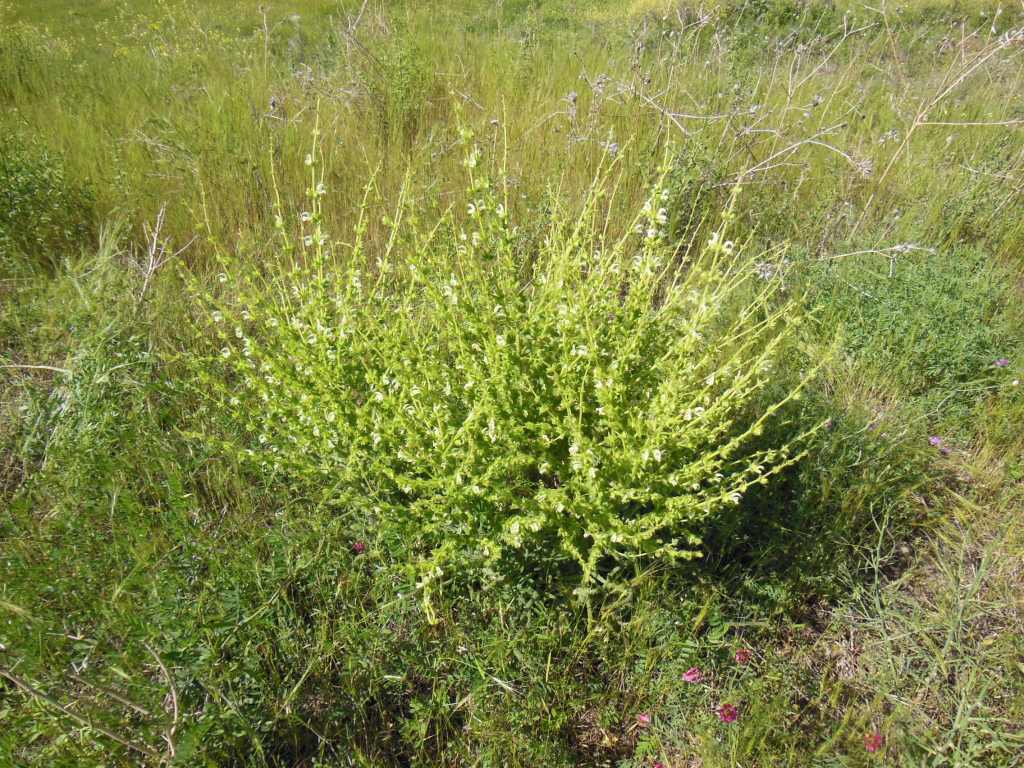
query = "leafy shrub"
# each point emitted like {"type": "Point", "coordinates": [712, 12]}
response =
{"type": "Point", "coordinates": [790, 22]}
{"type": "Point", "coordinates": [933, 322]}
{"type": "Point", "coordinates": [581, 401]}
{"type": "Point", "coordinates": [25, 53]}
{"type": "Point", "coordinates": [399, 88]}
{"type": "Point", "coordinates": [42, 213]}
{"type": "Point", "coordinates": [697, 189]}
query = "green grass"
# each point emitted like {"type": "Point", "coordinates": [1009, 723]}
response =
{"type": "Point", "coordinates": [164, 600]}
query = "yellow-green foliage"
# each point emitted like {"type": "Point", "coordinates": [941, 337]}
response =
{"type": "Point", "coordinates": [583, 399]}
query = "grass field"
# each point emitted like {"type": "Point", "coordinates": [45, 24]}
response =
{"type": "Point", "coordinates": [517, 383]}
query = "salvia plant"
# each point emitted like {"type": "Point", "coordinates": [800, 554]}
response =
{"type": "Point", "coordinates": [586, 399]}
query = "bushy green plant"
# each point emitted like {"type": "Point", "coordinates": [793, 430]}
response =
{"type": "Point", "coordinates": [399, 88]}
{"type": "Point", "coordinates": [42, 213]}
{"type": "Point", "coordinates": [586, 401]}
{"type": "Point", "coordinates": [933, 322]}
{"type": "Point", "coordinates": [25, 50]}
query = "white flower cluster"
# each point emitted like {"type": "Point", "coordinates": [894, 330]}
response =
{"type": "Point", "coordinates": [654, 217]}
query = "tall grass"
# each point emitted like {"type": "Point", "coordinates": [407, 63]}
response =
{"type": "Point", "coordinates": [191, 105]}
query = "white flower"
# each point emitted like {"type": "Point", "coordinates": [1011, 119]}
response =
{"type": "Point", "coordinates": [306, 216]}
{"type": "Point", "coordinates": [218, 317]}
{"type": "Point", "coordinates": [309, 159]}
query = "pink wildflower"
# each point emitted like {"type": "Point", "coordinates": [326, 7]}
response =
{"type": "Point", "coordinates": [873, 741]}
{"type": "Point", "coordinates": [743, 656]}
{"type": "Point", "coordinates": [693, 675]}
{"type": "Point", "coordinates": [727, 713]}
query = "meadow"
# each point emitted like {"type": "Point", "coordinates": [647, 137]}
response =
{"type": "Point", "coordinates": [522, 383]}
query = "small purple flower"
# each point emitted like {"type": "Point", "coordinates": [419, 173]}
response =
{"type": "Point", "coordinates": [359, 547]}
{"type": "Point", "coordinates": [935, 440]}
{"type": "Point", "coordinates": [1002, 362]}
{"type": "Point", "coordinates": [643, 720]}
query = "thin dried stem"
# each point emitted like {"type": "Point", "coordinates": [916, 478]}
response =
{"type": "Point", "coordinates": [31, 690]}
